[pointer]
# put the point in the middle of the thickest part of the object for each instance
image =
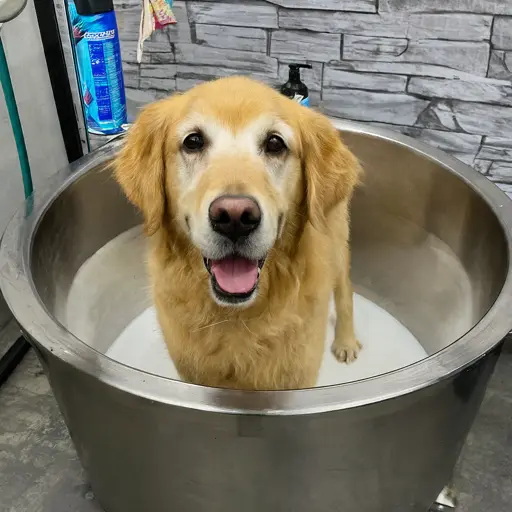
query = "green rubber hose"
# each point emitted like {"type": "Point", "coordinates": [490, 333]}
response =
{"type": "Point", "coordinates": [15, 354]}
{"type": "Point", "coordinates": [17, 130]}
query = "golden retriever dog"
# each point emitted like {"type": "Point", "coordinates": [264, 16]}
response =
{"type": "Point", "coordinates": [245, 197]}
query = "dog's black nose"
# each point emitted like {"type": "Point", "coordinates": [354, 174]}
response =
{"type": "Point", "coordinates": [234, 216]}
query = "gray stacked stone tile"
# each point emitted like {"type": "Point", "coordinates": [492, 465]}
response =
{"type": "Point", "coordinates": [158, 71]}
{"type": "Point", "coordinates": [408, 68]}
{"type": "Point", "coordinates": [436, 70]}
{"type": "Point", "coordinates": [158, 83]}
{"type": "Point", "coordinates": [469, 117]}
{"type": "Point", "coordinates": [500, 65]}
{"type": "Point", "coordinates": [499, 92]}
{"type": "Point", "coordinates": [342, 79]}
{"type": "Point", "coordinates": [236, 38]}
{"type": "Point", "coordinates": [128, 21]}
{"type": "Point", "coordinates": [202, 55]}
{"type": "Point", "coordinates": [297, 44]}
{"type": "Point", "coordinates": [343, 23]}
{"type": "Point", "coordinates": [373, 106]}
{"type": "Point", "coordinates": [478, 6]}
{"type": "Point", "coordinates": [452, 27]}
{"type": "Point", "coordinates": [482, 166]}
{"type": "Point", "coordinates": [502, 33]}
{"type": "Point", "coordinates": [330, 5]}
{"type": "Point", "coordinates": [453, 142]}
{"type": "Point", "coordinates": [501, 171]}
{"type": "Point", "coordinates": [182, 31]}
{"type": "Point", "coordinates": [131, 75]}
{"type": "Point", "coordinates": [462, 55]}
{"type": "Point", "coordinates": [246, 14]}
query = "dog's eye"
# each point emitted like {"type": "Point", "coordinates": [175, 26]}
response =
{"type": "Point", "coordinates": [194, 142]}
{"type": "Point", "coordinates": [274, 145]}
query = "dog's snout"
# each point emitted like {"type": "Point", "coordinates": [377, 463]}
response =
{"type": "Point", "coordinates": [234, 216]}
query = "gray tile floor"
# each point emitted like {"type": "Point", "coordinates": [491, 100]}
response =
{"type": "Point", "coordinates": [39, 470]}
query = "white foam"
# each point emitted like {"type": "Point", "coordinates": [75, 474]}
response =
{"type": "Point", "coordinates": [388, 345]}
{"type": "Point", "coordinates": [107, 307]}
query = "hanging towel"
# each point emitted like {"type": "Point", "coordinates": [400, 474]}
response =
{"type": "Point", "coordinates": [156, 14]}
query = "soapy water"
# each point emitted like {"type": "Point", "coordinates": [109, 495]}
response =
{"type": "Point", "coordinates": [388, 345]}
{"type": "Point", "coordinates": [109, 308]}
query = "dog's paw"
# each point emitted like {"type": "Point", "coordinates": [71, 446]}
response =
{"type": "Point", "coordinates": [346, 351]}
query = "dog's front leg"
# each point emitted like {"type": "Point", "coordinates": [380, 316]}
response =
{"type": "Point", "coordinates": [345, 347]}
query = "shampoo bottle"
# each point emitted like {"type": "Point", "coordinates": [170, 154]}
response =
{"type": "Point", "coordinates": [295, 88]}
{"type": "Point", "coordinates": [100, 70]}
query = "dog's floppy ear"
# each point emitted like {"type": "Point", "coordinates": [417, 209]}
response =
{"type": "Point", "coordinates": [331, 170]}
{"type": "Point", "coordinates": [140, 166]}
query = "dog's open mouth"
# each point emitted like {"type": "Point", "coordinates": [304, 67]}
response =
{"type": "Point", "coordinates": [234, 278]}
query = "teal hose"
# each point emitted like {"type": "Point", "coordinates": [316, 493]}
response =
{"type": "Point", "coordinates": [14, 355]}
{"type": "Point", "coordinates": [17, 130]}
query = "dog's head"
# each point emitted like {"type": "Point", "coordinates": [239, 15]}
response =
{"type": "Point", "coordinates": [234, 167]}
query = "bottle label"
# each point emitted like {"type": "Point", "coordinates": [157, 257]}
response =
{"type": "Point", "coordinates": [100, 70]}
{"type": "Point", "coordinates": [100, 36]}
{"type": "Point", "coordinates": [299, 98]}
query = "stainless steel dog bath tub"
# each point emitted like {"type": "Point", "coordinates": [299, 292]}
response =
{"type": "Point", "coordinates": [431, 244]}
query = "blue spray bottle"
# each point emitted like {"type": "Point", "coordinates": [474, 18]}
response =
{"type": "Point", "coordinates": [100, 70]}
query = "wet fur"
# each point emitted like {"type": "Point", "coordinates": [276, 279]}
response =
{"type": "Point", "coordinates": [278, 341]}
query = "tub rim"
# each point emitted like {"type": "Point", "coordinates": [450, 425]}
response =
{"type": "Point", "coordinates": [44, 331]}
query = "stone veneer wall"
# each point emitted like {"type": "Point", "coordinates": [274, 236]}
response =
{"type": "Point", "coordinates": [439, 70]}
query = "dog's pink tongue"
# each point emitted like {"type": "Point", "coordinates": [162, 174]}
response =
{"type": "Point", "coordinates": [235, 275]}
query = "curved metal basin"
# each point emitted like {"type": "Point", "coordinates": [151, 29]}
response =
{"type": "Point", "coordinates": [431, 245]}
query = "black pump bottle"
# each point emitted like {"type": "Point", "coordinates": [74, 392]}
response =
{"type": "Point", "coordinates": [295, 88]}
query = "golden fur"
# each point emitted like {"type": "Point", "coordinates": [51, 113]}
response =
{"type": "Point", "coordinates": [277, 342]}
